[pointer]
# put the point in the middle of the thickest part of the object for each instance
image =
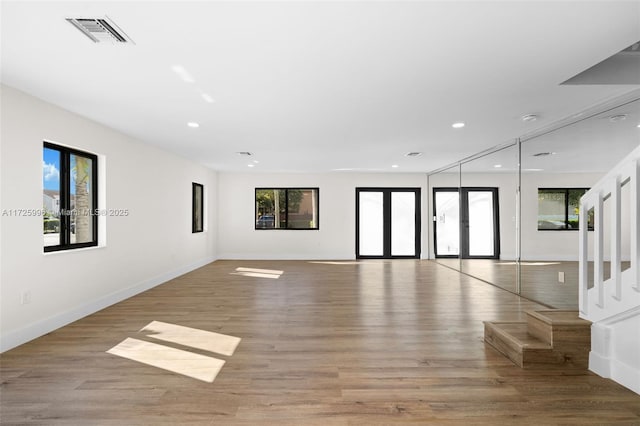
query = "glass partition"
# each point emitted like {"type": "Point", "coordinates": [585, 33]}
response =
{"type": "Point", "coordinates": [489, 202]}
{"type": "Point", "coordinates": [445, 214]}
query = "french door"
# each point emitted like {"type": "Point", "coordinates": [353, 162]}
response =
{"type": "Point", "coordinates": [466, 223]}
{"type": "Point", "coordinates": [387, 223]}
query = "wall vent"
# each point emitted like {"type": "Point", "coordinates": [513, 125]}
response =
{"type": "Point", "coordinates": [100, 30]}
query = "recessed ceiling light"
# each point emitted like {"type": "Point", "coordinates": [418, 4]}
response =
{"type": "Point", "coordinates": [208, 99]}
{"type": "Point", "coordinates": [183, 73]}
{"type": "Point", "coordinates": [395, 166]}
{"type": "Point", "coordinates": [256, 161]}
{"type": "Point", "coordinates": [458, 125]}
{"type": "Point", "coordinates": [251, 165]}
{"type": "Point", "coordinates": [638, 126]}
{"type": "Point", "coordinates": [193, 124]}
{"type": "Point", "coordinates": [616, 118]}
{"type": "Point", "coordinates": [529, 117]}
{"type": "Point", "coordinates": [532, 170]}
{"type": "Point", "coordinates": [413, 154]}
{"type": "Point", "coordinates": [497, 166]}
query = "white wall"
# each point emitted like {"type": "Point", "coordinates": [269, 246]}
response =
{"type": "Point", "coordinates": [151, 245]}
{"type": "Point", "coordinates": [237, 238]}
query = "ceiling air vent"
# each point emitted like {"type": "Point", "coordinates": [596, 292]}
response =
{"type": "Point", "coordinates": [413, 154]}
{"type": "Point", "coordinates": [100, 30]}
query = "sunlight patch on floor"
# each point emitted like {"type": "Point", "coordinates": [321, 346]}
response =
{"type": "Point", "coordinates": [190, 364]}
{"type": "Point", "coordinates": [192, 337]}
{"type": "Point", "coordinates": [187, 363]}
{"type": "Point", "coordinates": [258, 273]}
{"type": "Point", "coordinates": [525, 263]}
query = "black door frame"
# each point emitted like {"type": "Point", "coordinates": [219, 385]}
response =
{"type": "Point", "coordinates": [435, 223]}
{"type": "Point", "coordinates": [386, 214]}
{"type": "Point", "coordinates": [464, 221]}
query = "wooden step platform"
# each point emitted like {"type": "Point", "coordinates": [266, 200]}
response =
{"type": "Point", "coordinates": [548, 337]}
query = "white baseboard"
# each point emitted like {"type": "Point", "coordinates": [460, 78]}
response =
{"type": "Point", "coordinates": [615, 370]}
{"type": "Point", "coordinates": [289, 256]}
{"type": "Point", "coordinates": [39, 328]}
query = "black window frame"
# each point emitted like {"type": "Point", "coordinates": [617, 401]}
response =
{"type": "Point", "coordinates": [286, 209]}
{"type": "Point", "coordinates": [65, 198]}
{"type": "Point", "coordinates": [197, 215]}
{"type": "Point", "coordinates": [566, 209]}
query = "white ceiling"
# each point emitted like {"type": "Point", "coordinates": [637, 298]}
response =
{"type": "Point", "coordinates": [319, 86]}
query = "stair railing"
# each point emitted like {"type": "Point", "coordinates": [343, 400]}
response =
{"type": "Point", "coordinates": [622, 290]}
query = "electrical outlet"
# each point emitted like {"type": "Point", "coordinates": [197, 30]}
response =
{"type": "Point", "coordinates": [26, 297]}
{"type": "Point", "coordinates": [561, 277]}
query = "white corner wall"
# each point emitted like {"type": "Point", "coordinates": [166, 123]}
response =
{"type": "Point", "coordinates": [237, 238]}
{"type": "Point", "coordinates": [152, 244]}
{"type": "Point", "coordinates": [615, 345]}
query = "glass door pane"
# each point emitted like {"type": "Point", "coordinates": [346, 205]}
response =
{"type": "Point", "coordinates": [447, 233]}
{"type": "Point", "coordinates": [481, 223]}
{"type": "Point", "coordinates": [371, 224]}
{"type": "Point", "coordinates": [403, 224]}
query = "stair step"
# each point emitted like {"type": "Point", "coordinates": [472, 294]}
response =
{"type": "Point", "coordinates": [559, 327]}
{"type": "Point", "coordinates": [513, 340]}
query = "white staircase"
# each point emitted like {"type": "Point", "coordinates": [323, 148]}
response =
{"type": "Point", "coordinates": [613, 304]}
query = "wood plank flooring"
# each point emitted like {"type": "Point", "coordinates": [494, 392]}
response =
{"type": "Point", "coordinates": [326, 343]}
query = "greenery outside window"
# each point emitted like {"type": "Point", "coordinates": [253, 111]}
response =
{"type": "Point", "coordinates": [559, 209]}
{"type": "Point", "coordinates": [286, 208]}
{"type": "Point", "coordinates": [70, 198]}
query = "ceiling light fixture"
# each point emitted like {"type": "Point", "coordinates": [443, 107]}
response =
{"type": "Point", "coordinates": [193, 124]}
{"type": "Point", "coordinates": [251, 165]}
{"type": "Point", "coordinates": [497, 166]}
{"type": "Point", "coordinates": [617, 118]}
{"type": "Point", "coordinates": [458, 125]}
{"type": "Point", "coordinates": [208, 99]}
{"type": "Point", "coordinates": [529, 118]}
{"type": "Point", "coordinates": [543, 154]}
{"type": "Point", "coordinates": [183, 73]}
{"type": "Point", "coordinates": [395, 166]}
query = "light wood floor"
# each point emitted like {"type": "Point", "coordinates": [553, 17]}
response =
{"type": "Point", "coordinates": [350, 343]}
{"type": "Point", "coordinates": [538, 279]}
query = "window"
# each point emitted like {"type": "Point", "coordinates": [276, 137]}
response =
{"type": "Point", "coordinates": [197, 207]}
{"type": "Point", "coordinates": [286, 208]}
{"type": "Point", "coordinates": [69, 198]}
{"type": "Point", "coordinates": [558, 209]}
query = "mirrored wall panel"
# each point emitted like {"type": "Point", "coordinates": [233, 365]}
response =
{"type": "Point", "coordinates": [489, 232]}
{"type": "Point", "coordinates": [445, 213]}
{"type": "Point", "coordinates": [557, 169]}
